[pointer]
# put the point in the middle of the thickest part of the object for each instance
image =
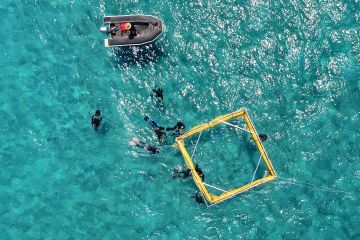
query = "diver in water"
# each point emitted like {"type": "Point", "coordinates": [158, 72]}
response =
{"type": "Point", "coordinates": [198, 197]}
{"type": "Point", "coordinates": [262, 137]}
{"type": "Point", "coordinates": [96, 119]}
{"type": "Point", "coordinates": [161, 135]}
{"type": "Point", "coordinates": [179, 129]}
{"type": "Point", "coordinates": [200, 172]}
{"type": "Point", "coordinates": [159, 131]}
{"type": "Point", "coordinates": [137, 143]}
{"type": "Point", "coordinates": [157, 93]}
{"type": "Point", "coordinates": [179, 172]}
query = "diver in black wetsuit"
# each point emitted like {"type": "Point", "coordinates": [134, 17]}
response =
{"type": "Point", "coordinates": [157, 93]}
{"type": "Point", "coordinates": [198, 197]}
{"type": "Point", "coordinates": [96, 119]}
{"type": "Point", "coordinates": [159, 131]}
{"type": "Point", "coordinates": [179, 129]}
{"type": "Point", "coordinates": [137, 143]}
{"type": "Point", "coordinates": [262, 137]}
{"type": "Point", "coordinates": [161, 135]}
{"type": "Point", "coordinates": [200, 172]}
{"type": "Point", "coordinates": [179, 172]}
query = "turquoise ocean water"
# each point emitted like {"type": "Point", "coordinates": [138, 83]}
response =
{"type": "Point", "coordinates": [293, 64]}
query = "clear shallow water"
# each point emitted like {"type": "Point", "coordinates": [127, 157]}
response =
{"type": "Point", "coordinates": [295, 66]}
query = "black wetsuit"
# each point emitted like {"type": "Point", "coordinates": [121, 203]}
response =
{"type": "Point", "coordinates": [160, 133]}
{"type": "Point", "coordinates": [158, 93]}
{"type": "Point", "coordinates": [199, 198]}
{"type": "Point", "coordinates": [96, 120]}
{"type": "Point", "coordinates": [151, 149]}
{"type": "Point", "coordinates": [179, 127]}
{"type": "Point", "coordinates": [182, 174]}
{"type": "Point", "coordinates": [200, 172]}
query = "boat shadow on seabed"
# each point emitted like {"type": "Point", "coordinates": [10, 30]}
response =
{"type": "Point", "coordinates": [132, 55]}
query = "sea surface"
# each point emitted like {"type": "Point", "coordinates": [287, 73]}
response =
{"type": "Point", "coordinates": [294, 65]}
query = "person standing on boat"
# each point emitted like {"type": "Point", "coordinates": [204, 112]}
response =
{"type": "Point", "coordinates": [96, 119]}
{"type": "Point", "coordinates": [262, 137]}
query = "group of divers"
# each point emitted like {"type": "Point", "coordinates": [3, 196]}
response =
{"type": "Point", "coordinates": [178, 129]}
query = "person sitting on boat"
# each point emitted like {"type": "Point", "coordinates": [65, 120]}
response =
{"type": "Point", "coordinates": [179, 129]}
{"type": "Point", "coordinates": [125, 27]}
{"type": "Point", "coordinates": [113, 30]}
{"type": "Point", "coordinates": [132, 31]}
{"type": "Point", "coordinates": [96, 119]}
{"type": "Point", "coordinates": [137, 143]}
{"type": "Point", "coordinates": [262, 137]}
{"type": "Point", "coordinates": [161, 135]}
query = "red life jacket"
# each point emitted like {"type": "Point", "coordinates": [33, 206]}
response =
{"type": "Point", "coordinates": [123, 27]}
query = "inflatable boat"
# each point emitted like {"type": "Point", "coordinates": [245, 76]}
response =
{"type": "Point", "coordinates": [129, 30]}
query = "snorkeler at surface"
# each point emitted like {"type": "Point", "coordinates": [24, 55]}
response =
{"type": "Point", "coordinates": [179, 172]}
{"type": "Point", "coordinates": [161, 135]}
{"type": "Point", "coordinates": [137, 143]}
{"type": "Point", "coordinates": [198, 197]}
{"type": "Point", "coordinates": [200, 172]}
{"type": "Point", "coordinates": [159, 131]}
{"type": "Point", "coordinates": [263, 137]}
{"type": "Point", "coordinates": [157, 93]}
{"type": "Point", "coordinates": [96, 119]}
{"type": "Point", "coordinates": [179, 129]}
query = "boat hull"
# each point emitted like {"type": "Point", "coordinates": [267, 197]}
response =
{"type": "Point", "coordinates": [147, 29]}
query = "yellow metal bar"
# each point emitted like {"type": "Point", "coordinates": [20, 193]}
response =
{"type": "Point", "coordinates": [188, 161]}
{"type": "Point", "coordinates": [212, 123]}
{"type": "Point", "coordinates": [244, 188]}
{"type": "Point", "coordinates": [259, 145]}
{"type": "Point", "coordinates": [194, 174]}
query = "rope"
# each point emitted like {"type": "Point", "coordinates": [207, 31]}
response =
{"type": "Point", "coordinates": [192, 158]}
{"type": "Point", "coordinates": [310, 185]}
{"type": "Point", "coordinates": [231, 196]}
{"type": "Point", "coordinates": [212, 186]}
{"type": "Point", "coordinates": [196, 144]}
{"type": "Point", "coordinates": [256, 169]}
{"type": "Point", "coordinates": [235, 126]}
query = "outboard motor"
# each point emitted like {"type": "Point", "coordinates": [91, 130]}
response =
{"type": "Point", "coordinates": [104, 30]}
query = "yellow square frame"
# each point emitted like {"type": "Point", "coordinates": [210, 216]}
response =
{"type": "Point", "coordinates": [213, 199]}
